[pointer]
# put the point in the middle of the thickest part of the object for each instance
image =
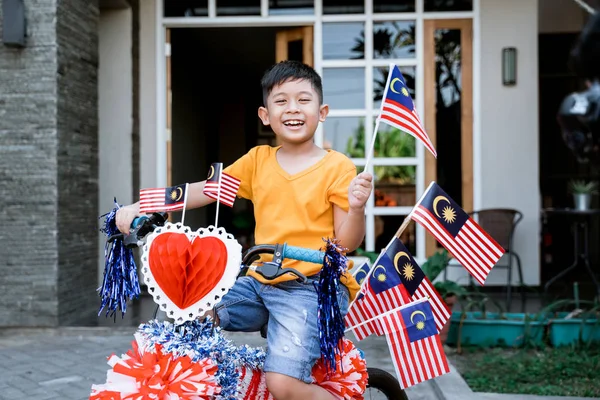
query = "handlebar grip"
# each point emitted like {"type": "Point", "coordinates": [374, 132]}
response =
{"type": "Point", "coordinates": [137, 221]}
{"type": "Point", "coordinates": [302, 254]}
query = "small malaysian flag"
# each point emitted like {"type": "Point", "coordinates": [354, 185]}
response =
{"type": "Point", "coordinates": [360, 275]}
{"type": "Point", "coordinates": [228, 185]}
{"type": "Point", "coordinates": [416, 283]}
{"type": "Point", "coordinates": [415, 346]}
{"type": "Point", "coordinates": [381, 292]}
{"type": "Point", "coordinates": [163, 199]}
{"type": "Point", "coordinates": [398, 109]}
{"type": "Point", "coordinates": [472, 247]}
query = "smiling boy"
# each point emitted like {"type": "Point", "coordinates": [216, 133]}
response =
{"type": "Point", "coordinates": [301, 194]}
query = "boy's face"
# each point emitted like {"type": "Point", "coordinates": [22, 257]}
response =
{"type": "Point", "coordinates": [293, 111]}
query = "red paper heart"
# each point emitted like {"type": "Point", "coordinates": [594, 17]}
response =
{"type": "Point", "coordinates": [186, 271]}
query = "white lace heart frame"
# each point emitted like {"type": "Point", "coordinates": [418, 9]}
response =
{"type": "Point", "coordinates": [206, 303]}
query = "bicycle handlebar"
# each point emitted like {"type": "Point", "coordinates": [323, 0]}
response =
{"type": "Point", "coordinates": [140, 227]}
{"type": "Point", "coordinates": [272, 269]}
{"type": "Point", "coordinates": [143, 225]}
{"type": "Point", "coordinates": [302, 254]}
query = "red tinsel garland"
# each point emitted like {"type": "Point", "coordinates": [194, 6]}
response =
{"type": "Point", "coordinates": [142, 375]}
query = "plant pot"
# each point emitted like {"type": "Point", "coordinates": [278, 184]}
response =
{"type": "Point", "coordinates": [582, 201]}
{"type": "Point", "coordinates": [563, 332]}
{"type": "Point", "coordinates": [494, 329]}
{"type": "Point", "coordinates": [450, 301]}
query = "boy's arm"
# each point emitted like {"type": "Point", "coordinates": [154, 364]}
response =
{"type": "Point", "coordinates": [195, 199]}
{"type": "Point", "coordinates": [350, 226]}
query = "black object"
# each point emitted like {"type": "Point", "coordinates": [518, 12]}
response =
{"type": "Point", "coordinates": [579, 119]}
{"type": "Point", "coordinates": [581, 249]}
{"type": "Point", "coordinates": [14, 26]}
{"type": "Point", "coordinates": [579, 113]}
{"type": "Point", "coordinates": [385, 383]}
{"type": "Point", "coordinates": [141, 227]}
{"type": "Point", "coordinates": [270, 269]}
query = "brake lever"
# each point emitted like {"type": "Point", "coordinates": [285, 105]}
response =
{"type": "Point", "coordinates": [271, 270]}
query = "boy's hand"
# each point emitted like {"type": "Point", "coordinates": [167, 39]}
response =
{"type": "Point", "coordinates": [125, 216]}
{"type": "Point", "coordinates": [359, 191]}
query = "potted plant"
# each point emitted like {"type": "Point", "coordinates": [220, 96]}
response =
{"type": "Point", "coordinates": [476, 325]}
{"type": "Point", "coordinates": [580, 325]}
{"type": "Point", "coordinates": [582, 193]}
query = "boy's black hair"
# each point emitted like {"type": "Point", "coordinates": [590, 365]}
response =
{"type": "Point", "coordinates": [285, 71]}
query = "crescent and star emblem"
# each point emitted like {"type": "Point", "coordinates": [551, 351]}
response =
{"type": "Point", "coordinates": [211, 173]}
{"type": "Point", "coordinates": [435, 203]}
{"type": "Point", "coordinates": [397, 258]}
{"type": "Point", "coordinates": [381, 277]}
{"type": "Point", "coordinates": [449, 215]}
{"type": "Point", "coordinates": [420, 325]}
{"type": "Point", "coordinates": [360, 279]}
{"type": "Point", "coordinates": [392, 85]}
{"type": "Point", "coordinates": [177, 194]}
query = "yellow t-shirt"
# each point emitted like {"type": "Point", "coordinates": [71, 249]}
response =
{"type": "Point", "coordinates": [294, 209]}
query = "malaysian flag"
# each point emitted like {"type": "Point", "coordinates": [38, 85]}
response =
{"type": "Point", "coordinates": [163, 199]}
{"type": "Point", "coordinates": [228, 184]}
{"type": "Point", "coordinates": [381, 292]}
{"type": "Point", "coordinates": [414, 344]}
{"type": "Point", "coordinates": [457, 232]}
{"type": "Point", "coordinates": [360, 275]}
{"type": "Point", "coordinates": [398, 109]}
{"type": "Point", "coordinates": [416, 283]}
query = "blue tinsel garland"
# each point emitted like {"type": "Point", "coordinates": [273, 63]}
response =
{"type": "Point", "coordinates": [200, 340]}
{"type": "Point", "coordinates": [120, 283]}
{"type": "Point", "coordinates": [330, 321]}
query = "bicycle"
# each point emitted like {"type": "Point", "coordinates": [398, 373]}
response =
{"type": "Point", "coordinates": [380, 384]}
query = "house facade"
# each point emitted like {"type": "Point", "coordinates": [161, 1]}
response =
{"type": "Point", "coordinates": [108, 98]}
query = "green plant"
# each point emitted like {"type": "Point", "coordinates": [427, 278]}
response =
{"type": "Point", "coordinates": [389, 143]}
{"type": "Point", "coordinates": [434, 266]}
{"type": "Point", "coordinates": [582, 187]}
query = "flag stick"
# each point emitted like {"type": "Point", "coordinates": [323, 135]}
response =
{"type": "Point", "coordinates": [187, 187]}
{"type": "Point", "coordinates": [408, 217]}
{"type": "Point", "coordinates": [218, 195]}
{"type": "Point", "coordinates": [387, 85]}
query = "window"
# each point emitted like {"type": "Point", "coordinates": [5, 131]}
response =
{"type": "Point", "coordinates": [291, 7]}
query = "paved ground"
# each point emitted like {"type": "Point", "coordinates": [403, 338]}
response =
{"type": "Point", "coordinates": [53, 364]}
{"type": "Point", "coordinates": [62, 364]}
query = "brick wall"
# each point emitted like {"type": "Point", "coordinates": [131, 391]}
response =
{"type": "Point", "coordinates": [48, 167]}
{"type": "Point", "coordinates": [77, 110]}
{"type": "Point", "coordinates": [135, 131]}
{"type": "Point", "coordinates": [28, 173]}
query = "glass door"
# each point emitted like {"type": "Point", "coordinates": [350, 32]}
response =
{"type": "Point", "coordinates": [448, 117]}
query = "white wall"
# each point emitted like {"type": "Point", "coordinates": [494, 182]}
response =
{"type": "Point", "coordinates": [506, 128]}
{"type": "Point", "coordinates": [148, 94]}
{"type": "Point", "coordinates": [115, 113]}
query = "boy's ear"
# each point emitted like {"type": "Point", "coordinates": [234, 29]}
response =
{"type": "Point", "coordinates": [323, 111]}
{"type": "Point", "coordinates": [263, 114]}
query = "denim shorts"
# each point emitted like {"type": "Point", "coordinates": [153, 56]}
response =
{"type": "Point", "coordinates": [290, 309]}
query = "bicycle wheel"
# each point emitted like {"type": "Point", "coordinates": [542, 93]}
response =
{"type": "Point", "coordinates": [382, 385]}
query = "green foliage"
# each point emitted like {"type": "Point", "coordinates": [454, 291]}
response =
{"type": "Point", "coordinates": [389, 143]}
{"type": "Point", "coordinates": [434, 266]}
{"type": "Point", "coordinates": [582, 187]}
{"type": "Point", "coordinates": [565, 371]}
